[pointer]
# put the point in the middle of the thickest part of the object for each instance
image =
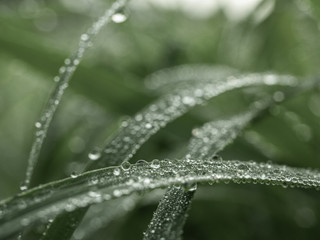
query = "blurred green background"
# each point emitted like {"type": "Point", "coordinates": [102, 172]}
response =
{"type": "Point", "coordinates": [283, 36]}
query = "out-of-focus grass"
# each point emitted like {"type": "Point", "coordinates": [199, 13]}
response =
{"type": "Point", "coordinates": [35, 38]}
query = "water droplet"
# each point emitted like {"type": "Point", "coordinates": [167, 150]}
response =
{"type": "Point", "coordinates": [146, 181]}
{"type": "Point", "coordinates": [278, 96]}
{"type": "Point", "coordinates": [67, 61]}
{"type": "Point", "coordinates": [125, 166]}
{"type": "Point", "coordinates": [116, 172]}
{"type": "Point", "coordinates": [270, 79]}
{"type": "Point", "coordinates": [94, 194]}
{"type": "Point", "coordinates": [120, 16]}
{"type": "Point", "coordinates": [73, 175]}
{"type": "Point", "coordinates": [155, 164]}
{"type": "Point", "coordinates": [243, 167]}
{"type": "Point", "coordinates": [142, 161]}
{"type": "Point", "coordinates": [62, 70]}
{"type": "Point", "coordinates": [76, 62]}
{"type": "Point", "coordinates": [188, 100]}
{"type": "Point", "coordinates": [117, 193]}
{"type": "Point", "coordinates": [38, 125]}
{"type": "Point", "coordinates": [138, 117]}
{"type": "Point", "coordinates": [84, 37]}
{"type": "Point", "coordinates": [190, 187]}
{"type": "Point", "coordinates": [23, 186]}
{"type": "Point", "coordinates": [216, 157]}
{"type": "Point", "coordinates": [95, 154]}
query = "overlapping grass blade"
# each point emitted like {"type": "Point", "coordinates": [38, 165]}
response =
{"type": "Point", "coordinates": [43, 202]}
{"type": "Point", "coordinates": [135, 131]}
{"type": "Point", "coordinates": [168, 220]}
{"type": "Point", "coordinates": [63, 78]}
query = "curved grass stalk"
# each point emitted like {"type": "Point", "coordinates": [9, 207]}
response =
{"type": "Point", "coordinates": [137, 130]}
{"type": "Point", "coordinates": [169, 218]}
{"type": "Point", "coordinates": [63, 78]}
{"type": "Point", "coordinates": [46, 201]}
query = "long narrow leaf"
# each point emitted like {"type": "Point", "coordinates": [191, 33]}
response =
{"type": "Point", "coordinates": [46, 201]}
{"type": "Point", "coordinates": [63, 78]}
{"type": "Point", "coordinates": [137, 130]}
{"type": "Point", "coordinates": [168, 220]}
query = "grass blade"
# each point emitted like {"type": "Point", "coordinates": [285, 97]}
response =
{"type": "Point", "coordinates": [46, 201]}
{"type": "Point", "coordinates": [137, 130]}
{"type": "Point", "coordinates": [169, 218]}
{"type": "Point", "coordinates": [142, 126]}
{"type": "Point", "coordinates": [63, 78]}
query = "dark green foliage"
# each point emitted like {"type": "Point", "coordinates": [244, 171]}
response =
{"type": "Point", "coordinates": [113, 83]}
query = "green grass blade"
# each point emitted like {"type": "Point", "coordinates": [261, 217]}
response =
{"type": "Point", "coordinates": [169, 218]}
{"type": "Point", "coordinates": [137, 130]}
{"type": "Point", "coordinates": [63, 78]}
{"type": "Point", "coordinates": [142, 126]}
{"type": "Point", "coordinates": [46, 201]}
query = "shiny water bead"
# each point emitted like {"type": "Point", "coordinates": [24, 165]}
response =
{"type": "Point", "coordinates": [155, 164]}
{"type": "Point", "coordinates": [125, 166]}
{"type": "Point", "coordinates": [95, 154]}
{"type": "Point", "coordinates": [120, 16]}
{"type": "Point", "coordinates": [216, 157]}
{"type": "Point", "coordinates": [84, 37]}
{"type": "Point", "coordinates": [23, 186]}
{"type": "Point", "coordinates": [141, 161]}
{"type": "Point", "coordinates": [116, 172]}
{"type": "Point", "coordinates": [38, 124]}
{"type": "Point", "coordinates": [73, 175]}
{"type": "Point", "coordinates": [190, 187]}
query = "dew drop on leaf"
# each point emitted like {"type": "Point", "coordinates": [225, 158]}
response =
{"type": "Point", "coordinates": [278, 96]}
{"type": "Point", "coordinates": [216, 157]}
{"type": "Point", "coordinates": [116, 172]}
{"type": "Point", "coordinates": [125, 166]}
{"type": "Point", "coordinates": [73, 175]}
{"type": "Point", "coordinates": [155, 164]}
{"type": "Point", "coordinates": [94, 154]}
{"type": "Point", "coordinates": [142, 161]}
{"type": "Point", "coordinates": [243, 167]}
{"type": "Point", "coordinates": [190, 187]}
{"type": "Point", "coordinates": [23, 186]}
{"type": "Point", "coordinates": [38, 125]}
{"type": "Point", "coordinates": [84, 37]}
{"type": "Point", "coordinates": [120, 16]}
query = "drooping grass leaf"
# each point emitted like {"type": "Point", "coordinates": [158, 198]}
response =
{"type": "Point", "coordinates": [168, 220]}
{"type": "Point", "coordinates": [170, 216]}
{"type": "Point", "coordinates": [63, 78]}
{"type": "Point", "coordinates": [137, 130]}
{"type": "Point", "coordinates": [43, 202]}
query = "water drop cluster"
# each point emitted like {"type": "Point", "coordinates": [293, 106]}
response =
{"type": "Point", "coordinates": [36, 204]}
